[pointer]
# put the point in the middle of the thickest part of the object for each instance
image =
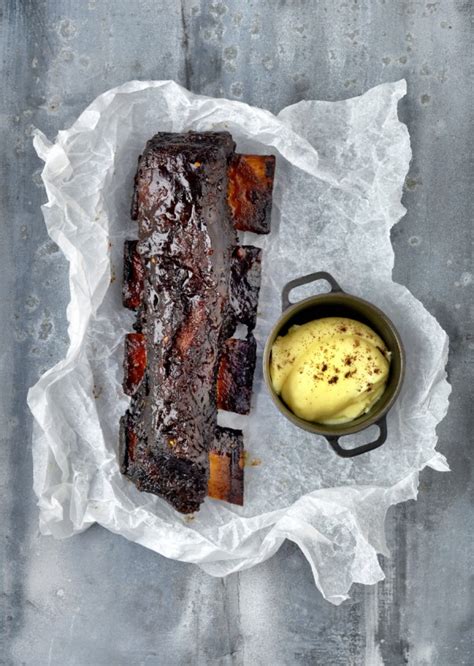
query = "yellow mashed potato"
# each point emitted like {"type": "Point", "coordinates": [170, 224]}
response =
{"type": "Point", "coordinates": [330, 370]}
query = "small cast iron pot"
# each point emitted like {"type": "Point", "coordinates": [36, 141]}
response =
{"type": "Point", "coordinates": [337, 303]}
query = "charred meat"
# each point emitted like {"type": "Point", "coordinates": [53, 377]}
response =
{"type": "Point", "coordinates": [190, 284]}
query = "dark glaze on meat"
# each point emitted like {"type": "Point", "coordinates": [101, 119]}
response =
{"type": "Point", "coordinates": [191, 280]}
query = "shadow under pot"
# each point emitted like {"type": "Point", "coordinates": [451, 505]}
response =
{"type": "Point", "coordinates": [337, 303]}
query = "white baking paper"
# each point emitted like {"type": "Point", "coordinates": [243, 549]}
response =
{"type": "Point", "coordinates": [339, 177]}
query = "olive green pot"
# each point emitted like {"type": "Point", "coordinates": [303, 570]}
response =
{"type": "Point", "coordinates": [337, 303]}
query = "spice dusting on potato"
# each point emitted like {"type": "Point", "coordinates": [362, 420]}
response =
{"type": "Point", "coordinates": [330, 370]}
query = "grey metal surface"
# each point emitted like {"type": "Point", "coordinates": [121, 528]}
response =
{"type": "Point", "coordinates": [97, 599]}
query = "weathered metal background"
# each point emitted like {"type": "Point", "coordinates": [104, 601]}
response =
{"type": "Point", "coordinates": [98, 600]}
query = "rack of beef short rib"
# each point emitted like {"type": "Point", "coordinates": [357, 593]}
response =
{"type": "Point", "coordinates": [191, 284]}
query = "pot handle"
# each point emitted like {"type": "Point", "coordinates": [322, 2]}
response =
{"type": "Point", "coordinates": [297, 282]}
{"type": "Point", "coordinates": [350, 453]}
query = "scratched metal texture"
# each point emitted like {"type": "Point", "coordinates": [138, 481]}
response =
{"type": "Point", "coordinates": [98, 600]}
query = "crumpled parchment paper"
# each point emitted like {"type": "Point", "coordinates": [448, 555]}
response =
{"type": "Point", "coordinates": [340, 171]}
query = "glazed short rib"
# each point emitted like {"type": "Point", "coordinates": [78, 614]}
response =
{"type": "Point", "coordinates": [191, 284]}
